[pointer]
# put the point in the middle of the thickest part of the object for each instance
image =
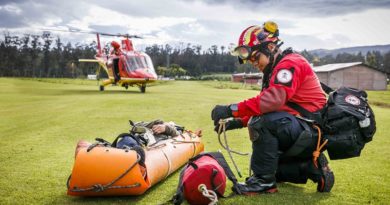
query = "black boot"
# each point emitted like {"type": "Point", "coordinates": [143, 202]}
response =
{"type": "Point", "coordinates": [257, 184]}
{"type": "Point", "coordinates": [322, 175]}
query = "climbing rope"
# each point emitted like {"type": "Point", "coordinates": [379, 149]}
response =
{"type": "Point", "coordinates": [210, 194]}
{"type": "Point", "coordinates": [319, 147]}
{"type": "Point", "coordinates": [222, 129]}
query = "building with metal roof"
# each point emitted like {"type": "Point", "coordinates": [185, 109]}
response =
{"type": "Point", "coordinates": [248, 78]}
{"type": "Point", "coordinates": [355, 75]}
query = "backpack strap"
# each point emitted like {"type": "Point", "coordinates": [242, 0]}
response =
{"type": "Point", "coordinates": [307, 114]}
{"type": "Point", "coordinates": [326, 88]}
{"type": "Point", "coordinates": [301, 110]}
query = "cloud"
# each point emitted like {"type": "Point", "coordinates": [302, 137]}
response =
{"type": "Point", "coordinates": [304, 7]}
{"type": "Point", "coordinates": [303, 24]}
{"type": "Point", "coordinates": [11, 16]}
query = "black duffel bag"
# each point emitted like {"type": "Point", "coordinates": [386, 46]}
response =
{"type": "Point", "coordinates": [348, 123]}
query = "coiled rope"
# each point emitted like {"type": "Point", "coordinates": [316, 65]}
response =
{"type": "Point", "coordinates": [210, 194]}
{"type": "Point", "coordinates": [222, 129]}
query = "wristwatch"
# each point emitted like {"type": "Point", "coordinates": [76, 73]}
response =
{"type": "Point", "coordinates": [234, 109]}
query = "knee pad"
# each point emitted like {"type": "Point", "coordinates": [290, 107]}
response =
{"type": "Point", "coordinates": [295, 172]}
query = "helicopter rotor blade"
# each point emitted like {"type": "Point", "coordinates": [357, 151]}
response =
{"type": "Point", "coordinates": [120, 35]}
{"type": "Point", "coordinates": [75, 30]}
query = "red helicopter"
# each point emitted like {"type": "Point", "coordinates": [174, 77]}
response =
{"type": "Point", "coordinates": [124, 65]}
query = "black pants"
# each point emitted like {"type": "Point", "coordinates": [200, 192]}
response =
{"type": "Point", "coordinates": [276, 132]}
{"type": "Point", "coordinates": [115, 71]}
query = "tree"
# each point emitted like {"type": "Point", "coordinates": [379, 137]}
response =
{"type": "Point", "coordinates": [25, 58]}
{"type": "Point", "coordinates": [58, 58]}
{"type": "Point", "coordinates": [35, 49]}
{"type": "Point", "coordinates": [371, 59]}
{"type": "Point", "coordinates": [386, 63]}
{"type": "Point", "coordinates": [379, 60]}
{"type": "Point", "coordinates": [176, 70]}
{"type": "Point", "coordinates": [47, 40]}
{"type": "Point", "coordinates": [162, 71]}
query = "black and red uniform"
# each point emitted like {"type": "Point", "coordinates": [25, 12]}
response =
{"type": "Point", "coordinates": [272, 123]}
{"type": "Point", "coordinates": [293, 80]}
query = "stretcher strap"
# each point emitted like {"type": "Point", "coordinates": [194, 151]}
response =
{"type": "Point", "coordinates": [186, 142]}
{"type": "Point", "coordinates": [319, 147]}
{"type": "Point", "coordinates": [169, 164]}
{"type": "Point", "coordinates": [155, 146]}
{"type": "Point", "coordinates": [100, 187]}
{"type": "Point", "coordinates": [192, 134]}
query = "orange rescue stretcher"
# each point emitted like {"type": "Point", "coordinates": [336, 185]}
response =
{"type": "Point", "coordinates": [108, 171]}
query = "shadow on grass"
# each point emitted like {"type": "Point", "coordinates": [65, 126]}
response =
{"type": "Point", "coordinates": [84, 92]}
{"type": "Point", "coordinates": [162, 192]}
{"type": "Point", "coordinates": [288, 194]}
{"type": "Point", "coordinates": [295, 193]}
{"type": "Point", "coordinates": [97, 92]}
{"type": "Point", "coordinates": [142, 199]}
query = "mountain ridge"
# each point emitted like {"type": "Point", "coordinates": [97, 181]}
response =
{"type": "Point", "coordinates": [352, 50]}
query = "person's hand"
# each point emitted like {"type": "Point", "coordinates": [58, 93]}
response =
{"type": "Point", "coordinates": [158, 129]}
{"type": "Point", "coordinates": [220, 112]}
{"type": "Point", "coordinates": [235, 123]}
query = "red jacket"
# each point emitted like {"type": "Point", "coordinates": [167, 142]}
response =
{"type": "Point", "coordinates": [293, 80]}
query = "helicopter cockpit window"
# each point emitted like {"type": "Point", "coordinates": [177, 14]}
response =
{"type": "Point", "coordinates": [136, 62]}
{"type": "Point", "coordinates": [150, 67]}
{"type": "Point", "coordinates": [141, 62]}
{"type": "Point", "coordinates": [131, 64]}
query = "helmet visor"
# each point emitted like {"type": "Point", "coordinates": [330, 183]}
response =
{"type": "Point", "coordinates": [245, 52]}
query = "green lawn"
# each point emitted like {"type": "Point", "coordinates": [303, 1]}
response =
{"type": "Point", "coordinates": [41, 122]}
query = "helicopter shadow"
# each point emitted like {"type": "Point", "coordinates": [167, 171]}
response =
{"type": "Point", "coordinates": [97, 92]}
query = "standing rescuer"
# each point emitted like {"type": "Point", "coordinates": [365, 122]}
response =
{"type": "Point", "coordinates": [282, 142]}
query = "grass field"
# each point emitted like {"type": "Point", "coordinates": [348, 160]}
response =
{"type": "Point", "coordinates": [41, 122]}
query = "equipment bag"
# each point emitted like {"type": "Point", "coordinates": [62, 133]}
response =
{"type": "Point", "coordinates": [348, 122]}
{"type": "Point", "coordinates": [205, 173]}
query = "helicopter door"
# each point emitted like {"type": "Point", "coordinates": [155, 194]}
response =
{"type": "Point", "coordinates": [115, 62]}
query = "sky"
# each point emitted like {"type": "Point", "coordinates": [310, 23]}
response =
{"type": "Point", "coordinates": [303, 24]}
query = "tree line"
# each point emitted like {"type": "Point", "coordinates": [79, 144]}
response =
{"type": "Point", "coordinates": [46, 55]}
{"type": "Point", "coordinates": [43, 56]}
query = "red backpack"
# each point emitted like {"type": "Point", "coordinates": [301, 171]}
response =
{"type": "Point", "coordinates": [203, 179]}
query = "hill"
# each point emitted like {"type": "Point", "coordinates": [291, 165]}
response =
{"type": "Point", "coordinates": [352, 50]}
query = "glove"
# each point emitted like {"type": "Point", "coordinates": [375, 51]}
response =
{"type": "Point", "coordinates": [220, 112]}
{"type": "Point", "coordinates": [236, 123]}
